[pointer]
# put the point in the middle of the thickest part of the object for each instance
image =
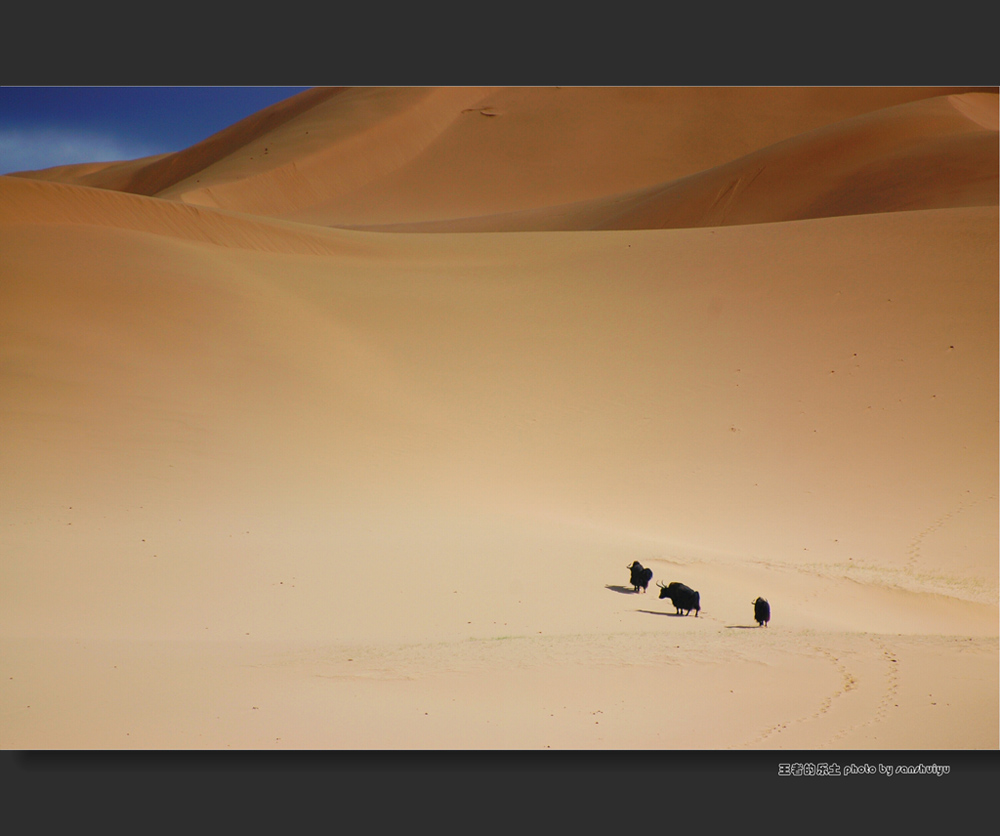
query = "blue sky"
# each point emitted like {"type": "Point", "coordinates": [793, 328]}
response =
{"type": "Point", "coordinates": [42, 127]}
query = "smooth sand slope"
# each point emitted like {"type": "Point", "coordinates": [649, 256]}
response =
{"type": "Point", "coordinates": [275, 484]}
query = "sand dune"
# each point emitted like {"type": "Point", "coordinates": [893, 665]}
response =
{"type": "Point", "coordinates": [26, 202]}
{"type": "Point", "coordinates": [366, 156]}
{"type": "Point", "coordinates": [276, 484]}
{"type": "Point", "coordinates": [931, 154]}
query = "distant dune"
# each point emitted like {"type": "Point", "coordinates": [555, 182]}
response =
{"type": "Point", "coordinates": [274, 462]}
{"type": "Point", "coordinates": [362, 157]}
{"type": "Point", "coordinates": [931, 154]}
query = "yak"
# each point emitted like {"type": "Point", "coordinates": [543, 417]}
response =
{"type": "Point", "coordinates": [641, 576]}
{"type": "Point", "coordinates": [682, 596]}
{"type": "Point", "coordinates": [761, 612]}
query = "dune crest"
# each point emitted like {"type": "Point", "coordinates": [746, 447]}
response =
{"type": "Point", "coordinates": [29, 202]}
{"type": "Point", "coordinates": [327, 163]}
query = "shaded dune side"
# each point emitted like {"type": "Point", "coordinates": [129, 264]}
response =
{"type": "Point", "coordinates": [931, 154]}
{"type": "Point", "coordinates": [923, 155]}
{"type": "Point", "coordinates": [163, 172]}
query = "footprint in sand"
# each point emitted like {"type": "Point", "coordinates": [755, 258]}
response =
{"type": "Point", "coordinates": [888, 698]}
{"type": "Point", "coordinates": [849, 683]}
{"type": "Point", "coordinates": [913, 551]}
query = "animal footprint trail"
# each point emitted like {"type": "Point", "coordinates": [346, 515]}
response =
{"type": "Point", "coordinates": [914, 547]}
{"type": "Point", "coordinates": [849, 682]}
{"type": "Point", "coordinates": [888, 696]}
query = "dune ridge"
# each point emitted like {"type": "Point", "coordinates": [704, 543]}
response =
{"type": "Point", "coordinates": [24, 201]}
{"type": "Point", "coordinates": [933, 153]}
{"type": "Point", "coordinates": [401, 123]}
{"type": "Point", "coordinates": [275, 464]}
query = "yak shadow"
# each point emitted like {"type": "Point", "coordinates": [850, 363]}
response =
{"type": "Point", "coordinates": [624, 590]}
{"type": "Point", "coordinates": [668, 614]}
{"type": "Point", "coordinates": [742, 626]}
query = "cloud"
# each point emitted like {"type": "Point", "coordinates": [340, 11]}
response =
{"type": "Point", "coordinates": [30, 149]}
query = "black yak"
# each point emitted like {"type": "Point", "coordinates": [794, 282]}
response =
{"type": "Point", "coordinates": [641, 576]}
{"type": "Point", "coordinates": [683, 597]}
{"type": "Point", "coordinates": [761, 612]}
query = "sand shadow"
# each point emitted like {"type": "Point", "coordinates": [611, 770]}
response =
{"type": "Point", "coordinates": [624, 590]}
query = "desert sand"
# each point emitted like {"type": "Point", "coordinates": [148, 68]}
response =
{"type": "Point", "coordinates": [339, 429]}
